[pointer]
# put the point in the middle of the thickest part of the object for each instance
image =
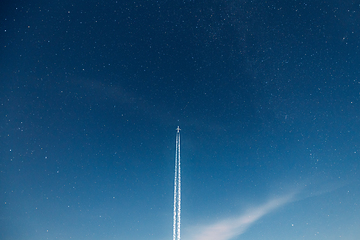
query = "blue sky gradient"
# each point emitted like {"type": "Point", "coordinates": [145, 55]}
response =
{"type": "Point", "coordinates": [267, 94]}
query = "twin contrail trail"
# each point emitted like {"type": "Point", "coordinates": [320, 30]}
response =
{"type": "Point", "coordinates": [177, 189]}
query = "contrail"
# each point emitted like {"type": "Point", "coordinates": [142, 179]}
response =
{"type": "Point", "coordinates": [177, 189]}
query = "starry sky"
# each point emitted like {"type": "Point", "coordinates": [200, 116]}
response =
{"type": "Point", "coordinates": [267, 94]}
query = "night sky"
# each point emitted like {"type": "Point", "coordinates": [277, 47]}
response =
{"type": "Point", "coordinates": [267, 94]}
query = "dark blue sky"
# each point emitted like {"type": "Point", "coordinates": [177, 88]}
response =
{"type": "Point", "coordinates": [267, 94]}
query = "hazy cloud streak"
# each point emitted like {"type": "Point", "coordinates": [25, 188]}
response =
{"type": "Point", "coordinates": [229, 228]}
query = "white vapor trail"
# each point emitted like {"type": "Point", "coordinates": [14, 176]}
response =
{"type": "Point", "coordinates": [230, 228]}
{"type": "Point", "coordinates": [175, 195]}
{"type": "Point", "coordinates": [177, 189]}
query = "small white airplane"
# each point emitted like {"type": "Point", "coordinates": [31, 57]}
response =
{"type": "Point", "coordinates": [178, 129]}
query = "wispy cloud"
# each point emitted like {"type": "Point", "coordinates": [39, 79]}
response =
{"type": "Point", "coordinates": [232, 227]}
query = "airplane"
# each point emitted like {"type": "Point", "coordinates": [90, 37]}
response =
{"type": "Point", "coordinates": [178, 129]}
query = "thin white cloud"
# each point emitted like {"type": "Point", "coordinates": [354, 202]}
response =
{"type": "Point", "coordinates": [230, 228]}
